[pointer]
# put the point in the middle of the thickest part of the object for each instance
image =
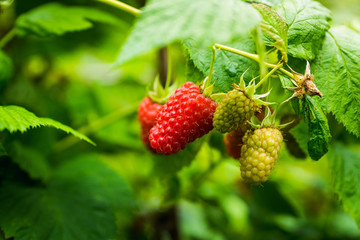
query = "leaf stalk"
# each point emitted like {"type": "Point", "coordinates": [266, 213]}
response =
{"type": "Point", "coordinates": [252, 56]}
{"type": "Point", "coordinates": [8, 37]}
{"type": "Point", "coordinates": [122, 6]}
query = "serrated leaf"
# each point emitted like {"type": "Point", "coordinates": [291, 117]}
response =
{"type": "Point", "coordinates": [193, 73]}
{"type": "Point", "coordinates": [54, 19]}
{"type": "Point", "coordinates": [77, 203]}
{"type": "Point", "coordinates": [318, 128]}
{"type": "Point", "coordinates": [345, 168]}
{"type": "Point", "coordinates": [275, 29]}
{"type": "Point", "coordinates": [6, 70]}
{"type": "Point", "coordinates": [319, 131]}
{"type": "Point", "coordinates": [337, 76]}
{"type": "Point", "coordinates": [31, 161]}
{"type": "Point", "coordinates": [15, 118]}
{"type": "Point", "coordinates": [228, 67]}
{"type": "Point", "coordinates": [307, 22]}
{"type": "Point", "coordinates": [207, 21]}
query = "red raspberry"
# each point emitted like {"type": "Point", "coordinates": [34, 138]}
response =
{"type": "Point", "coordinates": [147, 113]}
{"type": "Point", "coordinates": [187, 115]}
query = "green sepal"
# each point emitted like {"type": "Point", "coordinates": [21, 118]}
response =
{"type": "Point", "coordinates": [242, 84]}
{"type": "Point", "coordinates": [263, 95]}
{"type": "Point", "coordinates": [268, 121]}
{"type": "Point", "coordinates": [206, 87]}
{"type": "Point", "coordinates": [217, 97]}
{"type": "Point", "coordinates": [206, 83]}
{"type": "Point", "coordinates": [261, 102]}
{"type": "Point", "coordinates": [208, 91]}
{"type": "Point", "coordinates": [250, 90]}
{"type": "Point", "coordinates": [157, 86]}
{"type": "Point", "coordinates": [158, 93]}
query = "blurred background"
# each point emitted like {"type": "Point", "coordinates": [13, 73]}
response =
{"type": "Point", "coordinates": [118, 189]}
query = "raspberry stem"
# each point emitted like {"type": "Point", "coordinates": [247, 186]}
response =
{"type": "Point", "coordinates": [214, 49]}
{"type": "Point", "coordinates": [169, 73]}
{"type": "Point", "coordinates": [252, 56]}
{"type": "Point", "coordinates": [97, 125]}
{"type": "Point", "coordinates": [7, 38]}
{"type": "Point", "coordinates": [122, 6]}
{"type": "Point", "coordinates": [268, 75]}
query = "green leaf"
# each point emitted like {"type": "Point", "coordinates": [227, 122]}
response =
{"type": "Point", "coordinates": [15, 118]}
{"type": "Point", "coordinates": [307, 22]}
{"type": "Point", "coordinates": [345, 168]}
{"type": "Point", "coordinates": [300, 133]}
{"type": "Point", "coordinates": [31, 161]}
{"type": "Point", "coordinates": [167, 166]}
{"type": "Point", "coordinates": [77, 203]}
{"type": "Point", "coordinates": [319, 131]}
{"type": "Point", "coordinates": [207, 21]}
{"type": "Point", "coordinates": [193, 221]}
{"type": "Point", "coordinates": [337, 75]}
{"type": "Point", "coordinates": [228, 66]}
{"type": "Point", "coordinates": [2, 151]}
{"type": "Point", "coordinates": [318, 128]}
{"type": "Point", "coordinates": [275, 29]}
{"type": "Point", "coordinates": [6, 70]}
{"type": "Point", "coordinates": [54, 19]}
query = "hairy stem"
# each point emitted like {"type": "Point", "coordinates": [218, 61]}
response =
{"type": "Point", "coordinates": [95, 126]}
{"type": "Point", "coordinates": [122, 6]}
{"type": "Point", "coordinates": [212, 63]}
{"type": "Point", "coordinates": [237, 51]}
{"type": "Point", "coordinates": [251, 56]}
{"type": "Point", "coordinates": [169, 72]}
{"type": "Point", "coordinates": [8, 37]}
{"type": "Point", "coordinates": [268, 75]}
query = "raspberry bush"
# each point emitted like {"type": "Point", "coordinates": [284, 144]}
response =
{"type": "Point", "coordinates": [179, 119]}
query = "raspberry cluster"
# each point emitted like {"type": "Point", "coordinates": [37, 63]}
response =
{"type": "Point", "coordinates": [147, 113]}
{"type": "Point", "coordinates": [259, 154]}
{"type": "Point", "coordinates": [187, 115]}
{"type": "Point", "coordinates": [233, 110]}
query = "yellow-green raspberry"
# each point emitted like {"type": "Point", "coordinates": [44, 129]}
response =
{"type": "Point", "coordinates": [259, 153]}
{"type": "Point", "coordinates": [233, 111]}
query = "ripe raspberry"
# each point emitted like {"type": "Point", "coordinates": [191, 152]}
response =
{"type": "Point", "coordinates": [147, 113]}
{"type": "Point", "coordinates": [233, 110]}
{"type": "Point", "coordinates": [259, 154]}
{"type": "Point", "coordinates": [187, 115]}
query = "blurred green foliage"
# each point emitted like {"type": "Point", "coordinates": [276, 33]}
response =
{"type": "Point", "coordinates": [55, 186]}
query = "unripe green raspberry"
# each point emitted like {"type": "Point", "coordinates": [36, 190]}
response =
{"type": "Point", "coordinates": [259, 154]}
{"type": "Point", "coordinates": [233, 111]}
